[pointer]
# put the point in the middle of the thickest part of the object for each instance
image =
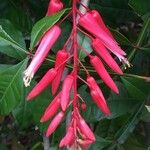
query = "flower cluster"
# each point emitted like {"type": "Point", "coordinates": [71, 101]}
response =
{"type": "Point", "coordinates": [103, 43]}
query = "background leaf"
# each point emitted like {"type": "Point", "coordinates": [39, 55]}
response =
{"type": "Point", "coordinates": [42, 26]}
{"type": "Point", "coordinates": [11, 87]}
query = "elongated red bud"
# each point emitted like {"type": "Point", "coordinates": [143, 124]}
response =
{"type": "Point", "coordinates": [97, 16]}
{"type": "Point", "coordinates": [85, 143]}
{"type": "Point", "coordinates": [102, 105]}
{"type": "Point", "coordinates": [85, 130]}
{"type": "Point", "coordinates": [61, 57]}
{"type": "Point", "coordinates": [46, 43]}
{"type": "Point", "coordinates": [105, 55]}
{"type": "Point", "coordinates": [88, 22]}
{"type": "Point", "coordinates": [51, 109]}
{"type": "Point", "coordinates": [43, 83]}
{"type": "Point", "coordinates": [100, 69]}
{"type": "Point", "coordinates": [55, 123]}
{"type": "Point", "coordinates": [94, 86]}
{"type": "Point", "coordinates": [66, 89]}
{"type": "Point", "coordinates": [54, 6]}
{"type": "Point", "coordinates": [69, 137]}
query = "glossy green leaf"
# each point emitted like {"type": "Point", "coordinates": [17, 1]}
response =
{"type": "Point", "coordinates": [11, 87]}
{"type": "Point", "coordinates": [42, 26]}
{"type": "Point", "coordinates": [137, 88]}
{"type": "Point", "coordinates": [11, 41]}
{"type": "Point", "coordinates": [140, 6]}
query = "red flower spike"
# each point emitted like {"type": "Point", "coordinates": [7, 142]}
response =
{"type": "Point", "coordinates": [102, 105]}
{"type": "Point", "coordinates": [46, 43]}
{"type": "Point", "coordinates": [68, 138]}
{"type": "Point", "coordinates": [54, 7]}
{"type": "Point", "coordinates": [85, 143]}
{"type": "Point", "coordinates": [96, 15]}
{"type": "Point", "coordinates": [61, 57]}
{"type": "Point", "coordinates": [51, 109]}
{"type": "Point", "coordinates": [54, 124]}
{"type": "Point", "coordinates": [100, 69]}
{"type": "Point", "coordinates": [88, 22]}
{"type": "Point", "coordinates": [43, 83]}
{"type": "Point", "coordinates": [66, 89]}
{"type": "Point", "coordinates": [105, 55]}
{"type": "Point", "coordinates": [85, 130]}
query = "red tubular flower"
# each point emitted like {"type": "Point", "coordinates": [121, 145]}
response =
{"type": "Point", "coordinates": [54, 124]}
{"type": "Point", "coordinates": [61, 57]}
{"type": "Point", "coordinates": [54, 7]}
{"type": "Point", "coordinates": [46, 43]}
{"type": "Point", "coordinates": [88, 22]}
{"type": "Point", "coordinates": [66, 89]}
{"type": "Point", "coordinates": [105, 55]}
{"type": "Point", "coordinates": [85, 143]}
{"type": "Point", "coordinates": [102, 105]}
{"type": "Point", "coordinates": [69, 137]}
{"type": "Point", "coordinates": [85, 130]}
{"type": "Point", "coordinates": [96, 15]}
{"type": "Point", "coordinates": [100, 69]}
{"type": "Point", "coordinates": [94, 86]}
{"type": "Point", "coordinates": [43, 83]}
{"type": "Point", "coordinates": [51, 109]}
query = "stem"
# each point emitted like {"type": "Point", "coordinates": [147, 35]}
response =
{"type": "Point", "coordinates": [140, 39]}
{"type": "Point", "coordinates": [74, 9]}
{"type": "Point", "coordinates": [46, 143]}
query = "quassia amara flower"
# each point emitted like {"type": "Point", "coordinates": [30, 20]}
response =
{"type": "Point", "coordinates": [61, 57]}
{"type": "Point", "coordinates": [42, 51]}
{"type": "Point", "coordinates": [78, 133]}
{"type": "Point", "coordinates": [54, 6]}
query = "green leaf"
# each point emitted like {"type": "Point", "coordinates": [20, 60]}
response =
{"type": "Point", "coordinates": [23, 112]}
{"type": "Point", "coordinates": [121, 103]}
{"type": "Point", "coordinates": [140, 6]}
{"type": "Point", "coordinates": [100, 144]}
{"type": "Point", "coordinates": [11, 87]}
{"type": "Point", "coordinates": [128, 128]}
{"type": "Point", "coordinates": [85, 42]}
{"type": "Point", "coordinates": [4, 67]}
{"type": "Point", "coordinates": [38, 106]}
{"type": "Point", "coordinates": [11, 41]}
{"type": "Point", "coordinates": [43, 25]}
{"type": "Point", "coordinates": [122, 40]}
{"type": "Point", "coordinates": [137, 88]}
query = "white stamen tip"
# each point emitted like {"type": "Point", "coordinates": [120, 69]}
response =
{"type": "Point", "coordinates": [27, 78]}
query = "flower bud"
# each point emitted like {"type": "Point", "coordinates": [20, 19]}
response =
{"type": "Point", "coordinates": [85, 130]}
{"type": "Point", "coordinates": [66, 89]}
{"type": "Point", "coordinates": [54, 124]}
{"type": "Point", "coordinates": [100, 69]}
{"type": "Point", "coordinates": [96, 15]}
{"type": "Point", "coordinates": [102, 105]}
{"type": "Point", "coordinates": [54, 6]}
{"type": "Point", "coordinates": [61, 57]}
{"type": "Point", "coordinates": [51, 109]}
{"type": "Point", "coordinates": [69, 137]}
{"type": "Point", "coordinates": [105, 55]}
{"type": "Point", "coordinates": [88, 22]}
{"type": "Point", "coordinates": [43, 83]}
